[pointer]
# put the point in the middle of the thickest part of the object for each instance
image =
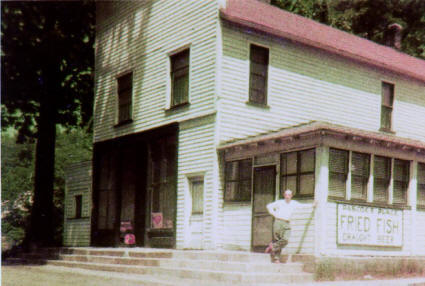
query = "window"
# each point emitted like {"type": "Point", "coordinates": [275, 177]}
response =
{"type": "Point", "coordinates": [421, 185]}
{"type": "Point", "coordinates": [259, 62]}
{"type": "Point", "coordinates": [360, 165]}
{"type": "Point", "coordinates": [78, 206]}
{"type": "Point", "coordinates": [338, 172]}
{"type": "Point", "coordinates": [401, 181]}
{"type": "Point", "coordinates": [297, 171]}
{"type": "Point", "coordinates": [238, 181]}
{"type": "Point", "coordinates": [197, 192]}
{"type": "Point", "coordinates": [382, 176]}
{"type": "Point", "coordinates": [180, 78]}
{"type": "Point", "coordinates": [387, 106]}
{"type": "Point", "coordinates": [125, 89]}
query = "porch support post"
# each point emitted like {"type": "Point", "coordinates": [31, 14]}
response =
{"type": "Point", "coordinates": [321, 195]}
{"type": "Point", "coordinates": [412, 201]}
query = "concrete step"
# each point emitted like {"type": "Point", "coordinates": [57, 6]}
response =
{"type": "Point", "coordinates": [191, 264]}
{"type": "Point", "coordinates": [232, 277]}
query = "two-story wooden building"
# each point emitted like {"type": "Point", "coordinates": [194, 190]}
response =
{"type": "Point", "coordinates": [206, 110]}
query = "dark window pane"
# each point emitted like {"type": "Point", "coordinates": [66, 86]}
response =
{"type": "Point", "coordinates": [259, 58]}
{"type": "Point", "coordinates": [386, 117]}
{"type": "Point", "coordinates": [382, 167]}
{"type": "Point", "coordinates": [307, 161]}
{"type": "Point", "coordinates": [400, 193]}
{"type": "Point", "coordinates": [338, 161]}
{"type": "Point", "coordinates": [245, 169]}
{"type": "Point", "coordinates": [78, 206]}
{"type": "Point", "coordinates": [245, 191]}
{"type": "Point", "coordinates": [238, 181]}
{"type": "Point", "coordinates": [289, 182]}
{"type": "Point", "coordinates": [360, 164]}
{"type": "Point", "coordinates": [232, 171]}
{"type": "Point", "coordinates": [231, 191]}
{"type": "Point", "coordinates": [180, 78]}
{"type": "Point", "coordinates": [289, 163]}
{"type": "Point", "coordinates": [306, 184]}
{"type": "Point", "coordinates": [387, 94]}
{"type": "Point", "coordinates": [125, 90]}
{"type": "Point", "coordinates": [337, 185]}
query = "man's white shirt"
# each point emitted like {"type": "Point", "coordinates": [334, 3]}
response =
{"type": "Point", "coordinates": [280, 209]}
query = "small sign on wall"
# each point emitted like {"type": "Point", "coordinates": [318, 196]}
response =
{"type": "Point", "coordinates": [367, 225]}
{"type": "Point", "coordinates": [157, 220]}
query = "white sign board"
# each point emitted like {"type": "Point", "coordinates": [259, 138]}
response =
{"type": "Point", "coordinates": [366, 225]}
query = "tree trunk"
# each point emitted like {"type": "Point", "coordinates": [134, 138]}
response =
{"type": "Point", "coordinates": [41, 229]}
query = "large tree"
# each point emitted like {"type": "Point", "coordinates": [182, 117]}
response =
{"type": "Point", "coordinates": [368, 18]}
{"type": "Point", "coordinates": [47, 66]}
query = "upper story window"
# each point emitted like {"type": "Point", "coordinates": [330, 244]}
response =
{"type": "Point", "coordinates": [238, 181]}
{"type": "Point", "coordinates": [387, 106]}
{"type": "Point", "coordinates": [125, 90]}
{"type": "Point", "coordinates": [180, 78]}
{"type": "Point", "coordinates": [259, 63]}
{"type": "Point", "coordinates": [421, 185]}
{"type": "Point", "coordinates": [297, 172]}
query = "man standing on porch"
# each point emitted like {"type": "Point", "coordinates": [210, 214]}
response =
{"type": "Point", "coordinates": [282, 211]}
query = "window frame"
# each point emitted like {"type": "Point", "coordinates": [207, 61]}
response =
{"type": "Point", "coordinates": [388, 180]}
{"type": "Point", "coordinates": [252, 47]}
{"type": "Point", "coordinates": [387, 108]}
{"type": "Point", "coordinates": [78, 204]}
{"type": "Point", "coordinates": [199, 180]}
{"type": "Point", "coordinates": [346, 173]}
{"type": "Point", "coordinates": [121, 91]}
{"type": "Point", "coordinates": [405, 183]}
{"type": "Point", "coordinates": [238, 180]}
{"type": "Point", "coordinates": [420, 185]}
{"type": "Point", "coordinates": [365, 179]}
{"type": "Point", "coordinates": [298, 174]}
{"type": "Point", "coordinates": [187, 70]}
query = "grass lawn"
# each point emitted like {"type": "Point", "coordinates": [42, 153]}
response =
{"type": "Point", "coordinates": [44, 276]}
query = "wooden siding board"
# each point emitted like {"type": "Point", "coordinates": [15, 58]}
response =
{"type": "Point", "coordinates": [306, 84]}
{"type": "Point", "coordinates": [78, 182]}
{"type": "Point", "coordinates": [137, 36]}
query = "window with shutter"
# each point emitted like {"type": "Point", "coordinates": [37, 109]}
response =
{"type": "Point", "coordinates": [238, 181]}
{"type": "Point", "coordinates": [382, 175]}
{"type": "Point", "coordinates": [387, 106]}
{"type": "Point", "coordinates": [180, 78]}
{"type": "Point", "coordinates": [125, 90]}
{"type": "Point", "coordinates": [259, 62]}
{"type": "Point", "coordinates": [297, 172]}
{"type": "Point", "coordinates": [360, 165]}
{"type": "Point", "coordinates": [338, 171]}
{"type": "Point", "coordinates": [421, 185]}
{"type": "Point", "coordinates": [401, 181]}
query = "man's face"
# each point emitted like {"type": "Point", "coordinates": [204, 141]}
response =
{"type": "Point", "coordinates": [287, 196]}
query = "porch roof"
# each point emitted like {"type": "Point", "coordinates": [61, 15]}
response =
{"type": "Point", "coordinates": [266, 18]}
{"type": "Point", "coordinates": [324, 129]}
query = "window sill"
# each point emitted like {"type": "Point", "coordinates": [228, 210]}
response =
{"type": "Point", "coordinates": [385, 130]}
{"type": "Point", "coordinates": [259, 105]}
{"type": "Point", "coordinates": [178, 107]}
{"type": "Point", "coordinates": [78, 218]}
{"type": "Point", "coordinates": [378, 205]}
{"type": "Point", "coordinates": [122, 123]}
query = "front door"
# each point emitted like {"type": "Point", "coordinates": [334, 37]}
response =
{"type": "Point", "coordinates": [264, 193]}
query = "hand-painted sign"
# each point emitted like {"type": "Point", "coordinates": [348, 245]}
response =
{"type": "Point", "coordinates": [367, 225]}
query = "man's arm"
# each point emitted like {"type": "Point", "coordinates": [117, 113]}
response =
{"type": "Point", "coordinates": [272, 208]}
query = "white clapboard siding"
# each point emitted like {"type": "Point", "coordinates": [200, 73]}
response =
{"type": "Point", "coordinates": [236, 229]}
{"type": "Point", "coordinates": [331, 247]}
{"type": "Point", "coordinates": [420, 232]}
{"type": "Point", "coordinates": [138, 36]}
{"type": "Point", "coordinates": [306, 84]}
{"type": "Point", "coordinates": [302, 230]}
{"type": "Point", "coordinates": [78, 182]}
{"type": "Point", "coordinates": [196, 155]}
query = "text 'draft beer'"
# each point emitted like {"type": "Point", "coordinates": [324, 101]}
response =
{"type": "Point", "coordinates": [366, 225]}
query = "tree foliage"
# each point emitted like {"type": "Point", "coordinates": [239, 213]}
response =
{"type": "Point", "coordinates": [47, 66]}
{"type": "Point", "coordinates": [367, 18]}
{"type": "Point", "coordinates": [72, 146]}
